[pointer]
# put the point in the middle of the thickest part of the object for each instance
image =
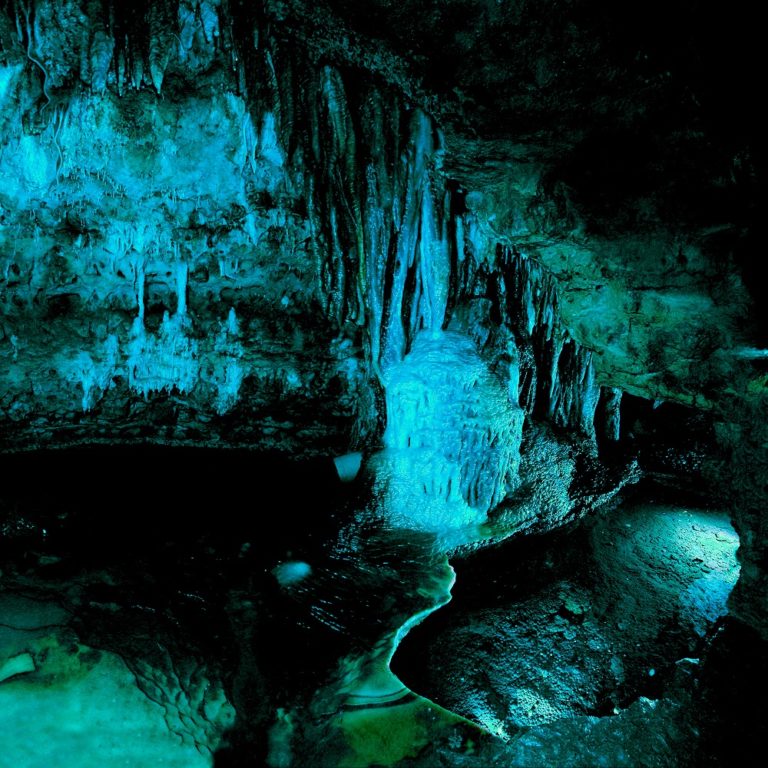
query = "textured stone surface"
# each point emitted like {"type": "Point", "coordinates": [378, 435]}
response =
{"type": "Point", "coordinates": [262, 216]}
{"type": "Point", "coordinates": [155, 272]}
{"type": "Point", "coordinates": [586, 641]}
{"type": "Point", "coordinates": [69, 699]}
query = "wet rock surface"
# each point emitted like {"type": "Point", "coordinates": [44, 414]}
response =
{"type": "Point", "coordinates": [225, 645]}
{"type": "Point", "coordinates": [570, 647]}
{"type": "Point", "coordinates": [246, 641]}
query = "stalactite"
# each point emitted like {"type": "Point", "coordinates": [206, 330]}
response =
{"type": "Point", "coordinates": [557, 375]}
{"type": "Point", "coordinates": [161, 40]}
{"type": "Point", "coordinates": [182, 277]}
{"type": "Point", "coordinates": [413, 185]}
{"type": "Point", "coordinates": [97, 52]}
{"type": "Point", "coordinates": [395, 252]}
{"type": "Point", "coordinates": [608, 415]}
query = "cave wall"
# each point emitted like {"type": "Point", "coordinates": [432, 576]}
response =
{"type": "Point", "coordinates": [284, 274]}
{"type": "Point", "coordinates": [158, 276]}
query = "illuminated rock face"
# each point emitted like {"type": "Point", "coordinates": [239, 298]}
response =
{"type": "Point", "coordinates": [453, 436]}
{"type": "Point", "coordinates": [151, 275]}
{"type": "Point", "coordinates": [219, 238]}
{"type": "Point", "coordinates": [633, 605]}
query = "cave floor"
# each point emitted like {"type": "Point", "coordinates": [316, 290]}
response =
{"type": "Point", "coordinates": [275, 649]}
{"type": "Point", "coordinates": [169, 624]}
{"type": "Point", "coordinates": [585, 645]}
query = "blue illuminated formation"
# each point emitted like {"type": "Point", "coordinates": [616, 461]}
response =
{"type": "Point", "coordinates": [292, 572]}
{"type": "Point", "coordinates": [452, 442]}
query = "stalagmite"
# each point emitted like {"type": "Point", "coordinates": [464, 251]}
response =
{"type": "Point", "coordinates": [452, 443]}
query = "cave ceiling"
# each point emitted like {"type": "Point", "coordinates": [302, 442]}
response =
{"type": "Point", "coordinates": [618, 146]}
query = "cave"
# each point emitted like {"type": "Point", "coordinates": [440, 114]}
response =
{"type": "Point", "coordinates": [382, 384]}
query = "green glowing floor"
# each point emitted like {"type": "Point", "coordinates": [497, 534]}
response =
{"type": "Point", "coordinates": [575, 643]}
{"type": "Point", "coordinates": [64, 705]}
{"type": "Point", "coordinates": [72, 713]}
